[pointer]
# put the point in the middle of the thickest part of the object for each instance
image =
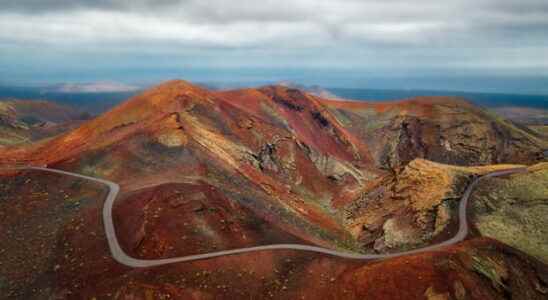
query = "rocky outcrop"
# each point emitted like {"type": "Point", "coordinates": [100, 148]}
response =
{"type": "Point", "coordinates": [411, 207]}
{"type": "Point", "coordinates": [443, 129]}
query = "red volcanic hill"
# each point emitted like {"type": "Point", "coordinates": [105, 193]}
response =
{"type": "Point", "coordinates": [291, 155]}
{"type": "Point", "coordinates": [284, 153]}
{"type": "Point", "coordinates": [202, 171]}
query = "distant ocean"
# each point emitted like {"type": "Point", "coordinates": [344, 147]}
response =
{"type": "Point", "coordinates": [482, 99]}
{"type": "Point", "coordinates": [94, 103]}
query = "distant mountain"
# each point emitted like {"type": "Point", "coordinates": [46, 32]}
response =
{"type": "Point", "coordinates": [94, 87]}
{"type": "Point", "coordinates": [490, 100]}
{"type": "Point", "coordinates": [315, 90]}
{"type": "Point", "coordinates": [25, 121]}
{"type": "Point", "coordinates": [82, 97]}
{"type": "Point", "coordinates": [99, 97]}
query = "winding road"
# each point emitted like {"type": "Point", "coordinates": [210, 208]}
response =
{"type": "Point", "coordinates": [120, 256]}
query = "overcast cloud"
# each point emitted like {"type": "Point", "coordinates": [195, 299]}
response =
{"type": "Point", "coordinates": [488, 36]}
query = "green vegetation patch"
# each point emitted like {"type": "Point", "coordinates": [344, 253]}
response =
{"type": "Point", "coordinates": [491, 270]}
{"type": "Point", "coordinates": [514, 209]}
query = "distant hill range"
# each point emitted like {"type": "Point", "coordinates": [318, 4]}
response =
{"type": "Point", "coordinates": [483, 99]}
{"type": "Point", "coordinates": [96, 98]}
{"type": "Point", "coordinates": [25, 121]}
{"type": "Point", "coordinates": [92, 99]}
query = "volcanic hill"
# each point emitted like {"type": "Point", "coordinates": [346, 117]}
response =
{"type": "Point", "coordinates": [201, 171]}
{"type": "Point", "coordinates": [302, 159]}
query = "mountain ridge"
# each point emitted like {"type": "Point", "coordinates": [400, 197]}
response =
{"type": "Point", "coordinates": [201, 171]}
{"type": "Point", "coordinates": [306, 157]}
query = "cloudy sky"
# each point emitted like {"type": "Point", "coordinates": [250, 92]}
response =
{"type": "Point", "coordinates": [489, 45]}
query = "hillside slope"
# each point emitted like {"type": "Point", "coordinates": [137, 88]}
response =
{"type": "Point", "coordinates": [442, 129]}
{"type": "Point", "coordinates": [193, 134]}
{"type": "Point", "coordinates": [25, 121]}
{"type": "Point", "coordinates": [514, 209]}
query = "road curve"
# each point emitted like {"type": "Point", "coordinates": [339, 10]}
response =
{"type": "Point", "coordinates": [120, 256]}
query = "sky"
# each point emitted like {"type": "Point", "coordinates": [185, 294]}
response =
{"type": "Point", "coordinates": [476, 45]}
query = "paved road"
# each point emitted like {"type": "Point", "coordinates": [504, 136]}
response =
{"type": "Point", "coordinates": [120, 256]}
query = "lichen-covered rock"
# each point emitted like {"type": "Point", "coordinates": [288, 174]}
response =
{"type": "Point", "coordinates": [397, 233]}
{"type": "Point", "coordinates": [514, 210]}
